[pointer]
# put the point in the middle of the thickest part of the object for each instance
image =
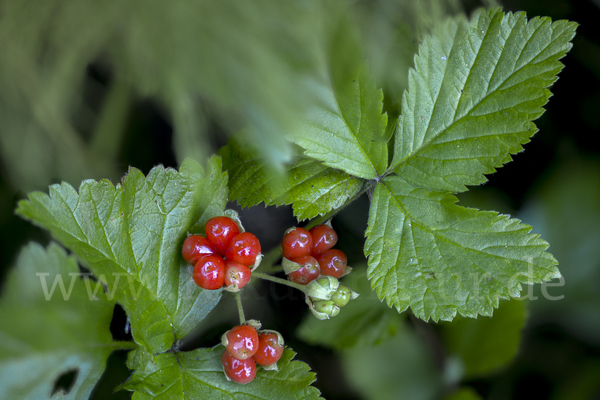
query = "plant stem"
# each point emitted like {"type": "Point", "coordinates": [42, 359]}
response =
{"type": "Point", "coordinates": [238, 300]}
{"type": "Point", "coordinates": [266, 277]}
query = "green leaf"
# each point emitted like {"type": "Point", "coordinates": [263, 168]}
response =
{"type": "Point", "coordinates": [474, 91]}
{"type": "Point", "coordinates": [427, 253]}
{"type": "Point", "coordinates": [345, 127]}
{"type": "Point", "coordinates": [485, 344]}
{"type": "Point", "coordinates": [313, 188]}
{"type": "Point", "coordinates": [364, 321]}
{"type": "Point", "coordinates": [51, 325]}
{"type": "Point", "coordinates": [198, 374]}
{"type": "Point", "coordinates": [130, 236]}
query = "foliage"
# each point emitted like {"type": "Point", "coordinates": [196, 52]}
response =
{"type": "Point", "coordinates": [410, 143]}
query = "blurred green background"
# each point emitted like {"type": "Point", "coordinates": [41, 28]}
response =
{"type": "Point", "coordinates": [88, 88]}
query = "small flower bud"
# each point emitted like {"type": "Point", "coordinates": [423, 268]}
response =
{"type": "Point", "coordinates": [342, 296]}
{"type": "Point", "coordinates": [324, 309]}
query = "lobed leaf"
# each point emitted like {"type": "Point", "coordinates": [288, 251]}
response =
{"type": "Point", "coordinates": [198, 374]}
{"type": "Point", "coordinates": [474, 91]}
{"type": "Point", "coordinates": [51, 325]}
{"type": "Point", "coordinates": [130, 236]}
{"type": "Point", "coordinates": [311, 187]}
{"type": "Point", "coordinates": [437, 258]}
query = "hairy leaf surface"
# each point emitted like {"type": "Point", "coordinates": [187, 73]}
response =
{"type": "Point", "coordinates": [50, 325]}
{"type": "Point", "coordinates": [130, 236]}
{"type": "Point", "coordinates": [429, 254]}
{"type": "Point", "coordinates": [198, 374]}
{"type": "Point", "coordinates": [474, 91]}
{"type": "Point", "coordinates": [311, 187]}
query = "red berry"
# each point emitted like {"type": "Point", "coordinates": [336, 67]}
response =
{"type": "Point", "coordinates": [324, 238]}
{"type": "Point", "coordinates": [239, 371]}
{"type": "Point", "coordinates": [296, 242]}
{"type": "Point", "coordinates": [333, 263]}
{"type": "Point", "coordinates": [220, 231]}
{"type": "Point", "coordinates": [209, 272]}
{"type": "Point", "coordinates": [196, 246]}
{"type": "Point", "coordinates": [242, 341]}
{"type": "Point", "coordinates": [269, 349]}
{"type": "Point", "coordinates": [236, 274]}
{"type": "Point", "coordinates": [310, 270]}
{"type": "Point", "coordinates": [243, 249]}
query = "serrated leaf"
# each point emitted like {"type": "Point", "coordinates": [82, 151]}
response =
{"type": "Point", "coordinates": [474, 91]}
{"type": "Point", "coordinates": [131, 235]}
{"type": "Point", "coordinates": [437, 258]}
{"type": "Point", "coordinates": [345, 126]}
{"type": "Point", "coordinates": [48, 330]}
{"type": "Point", "coordinates": [364, 321]}
{"type": "Point", "coordinates": [485, 344]}
{"type": "Point", "coordinates": [311, 187]}
{"type": "Point", "coordinates": [198, 374]}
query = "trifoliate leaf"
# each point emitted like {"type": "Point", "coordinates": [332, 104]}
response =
{"type": "Point", "coordinates": [437, 258]}
{"type": "Point", "coordinates": [363, 321]}
{"type": "Point", "coordinates": [51, 325]}
{"type": "Point", "coordinates": [346, 127]}
{"type": "Point", "coordinates": [131, 235]}
{"type": "Point", "coordinates": [313, 188]}
{"type": "Point", "coordinates": [474, 91]}
{"type": "Point", "coordinates": [198, 374]}
{"type": "Point", "coordinates": [484, 345]}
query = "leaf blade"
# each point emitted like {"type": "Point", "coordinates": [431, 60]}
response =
{"type": "Point", "coordinates": [50, 329]}
{"type": "Point", "coordinates": [345, 126]}
{"type": "Point", "coordinates": [130, 236]}
{"type": "Point", "coordinates": [199, 374]}
{"type": "Point", "coordinates": [312, 188]}
{"type": "Point", "coordinates": [419, 241]}
{"type": "Point", "coordinates": [474, 91]}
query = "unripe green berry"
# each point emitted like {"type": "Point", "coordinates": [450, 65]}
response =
{"type": "Point", "coordinates": [327, 307]}
{"type": "Point", "coordinates": [342, 296]}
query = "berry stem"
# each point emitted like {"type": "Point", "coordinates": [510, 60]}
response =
{"type": "Point", "coordinates": [238, 300]}
{"type": "Point", "coordinates": [266, 277]}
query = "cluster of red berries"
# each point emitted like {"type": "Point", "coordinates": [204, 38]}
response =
{"type": "Point", "coordinates": [245, 347]}
{"type": "Point", "coordinates": [311, 254]}
{"type": "Point", "coordinates": [223, 257]}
